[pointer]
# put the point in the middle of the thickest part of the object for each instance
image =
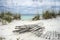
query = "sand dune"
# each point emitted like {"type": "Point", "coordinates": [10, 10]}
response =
{"type": "Point", "coordinates": [50, 25]}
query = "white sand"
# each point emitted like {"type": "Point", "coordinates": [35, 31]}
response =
{"type": "Point", "coordinates": [50, 25]}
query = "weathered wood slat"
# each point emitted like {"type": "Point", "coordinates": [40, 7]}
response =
{"type": "Point", "coordinates": [36, 29]}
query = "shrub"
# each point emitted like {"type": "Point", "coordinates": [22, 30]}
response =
{"type": "Point", "coordinates": [9, 13]}
{"type": "Point", "coordinates": [8, 19]}
{"type": "Point", "coordinates": [17, 16]}
{"type": "Point", "coordinates": [58, 13]}
{"type": "Point", "coordinates": [37, 17]}
{"type": "Point", "coordinates": [8, 16]}
{"type": "Point", "coordinates": [53, 15]}
{"type": "Point", "coordinates": [48, 15]}
{"type": "Point", "coordinates": [2, 15]}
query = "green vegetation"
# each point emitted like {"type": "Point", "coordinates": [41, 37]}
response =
{"type": "Point", "coordinates": [17, 16]}
{"type": "Point", "coordinates": [37, 17]}
{"type": "Point", "coordinates": [8, 16]}
{"type": "Point", "coordinates": [48, 15]}
{"type": "Point", "coordinates": [58, 13]}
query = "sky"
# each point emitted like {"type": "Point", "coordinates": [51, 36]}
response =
{"type": "Point", "coordinates": [28, 6]}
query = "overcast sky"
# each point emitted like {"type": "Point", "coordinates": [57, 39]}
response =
{"type": "Point", "coordinates": [28, 6]}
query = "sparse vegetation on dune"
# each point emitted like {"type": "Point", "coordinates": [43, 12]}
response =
{"type": "Point", "coordinates": [58, 13]}
{"type": "Point", "coordinates": [37, 17]}
{"type": "Point", "coordinates": [8, 16]}
{"type": "Point", "coordinates": [17, 16]}
{"type": "Point", "coordinates": [49, 15]}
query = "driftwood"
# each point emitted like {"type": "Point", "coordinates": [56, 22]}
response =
{"type": "Point", "coordinates": [27, 28]}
